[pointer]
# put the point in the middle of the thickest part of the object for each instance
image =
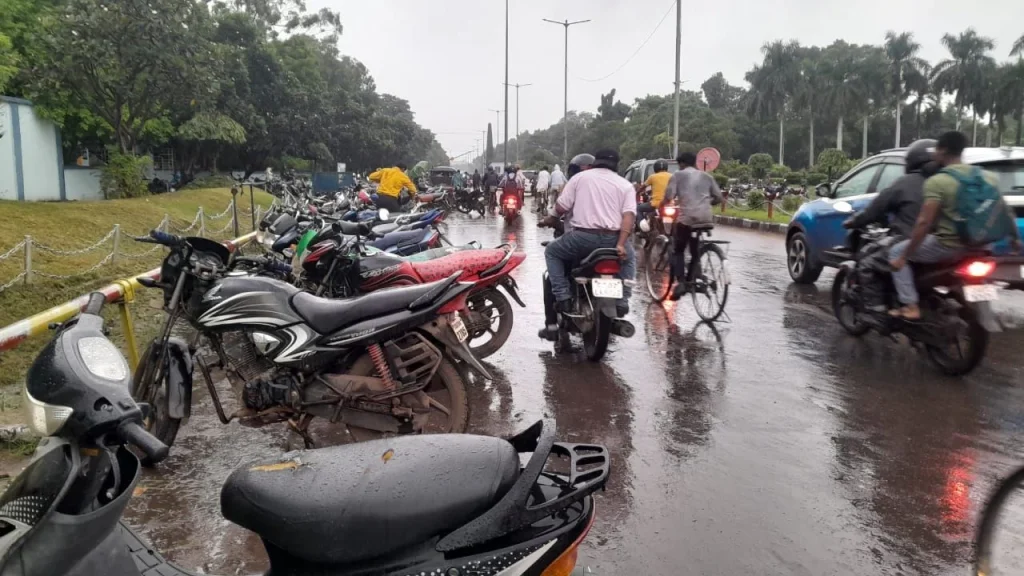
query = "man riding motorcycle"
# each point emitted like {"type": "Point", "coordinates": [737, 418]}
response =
{"type": "Point", "coordinates": [603, 210]}
{"type": "Point", "coordinates": [898, 206]}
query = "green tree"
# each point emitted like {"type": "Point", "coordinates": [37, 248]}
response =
{"type": "Point", "coordinates": [901, 51]}
{"type": "Point", "coordinates": [777, 81]}
{"type": "Point", "coordinates": [811, 90]}
{"type": "Point", "coordinates": [8, 62]}
{"type": "Point", "coordinates": [760, 164]}
{"type": "Point", "coordinates": [843, 93]}
{"type": "Point", "coordinates": [832, 162]}
{"type": "Point", "coordinates": [962, 72]}
{"type": "Point", "coordinates": [1018, 47]}
{"type": "Point", "coordinates": [719, 94]}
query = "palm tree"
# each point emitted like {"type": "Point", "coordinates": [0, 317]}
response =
{"type": "Point", "coordinates": [843, 93]}
{"type": "Point", "coordinates": [1010, 98]}
{"type": "Point", "coordinates": [871, 73]}
{"type": "Point", "coordinates": [1018, 48]}
{"type": "Point", "coordinates": [756, 102]}
{"type": "Point", "coordinates": [961, 74]}
{"type": "Point", "coordinates": [778, 81]}
{"type": "Point", "coordinates": [901, 51]}
{"type": "Point", "coordinates": [917, 85]}
{"type": "Point", "coordinates": [810, 93]}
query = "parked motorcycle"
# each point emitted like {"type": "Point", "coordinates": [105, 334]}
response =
{"type": "Point", "coordinates": [464, 502]}
{"type": "Point", "coordinates": [379, 364]}
{"type": "Point", "coordinates": [956, 316]}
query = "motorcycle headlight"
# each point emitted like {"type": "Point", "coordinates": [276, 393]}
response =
{"type": "Point", "coordinates": [102, 358]}
{"type": "Point", "coordinates": [44, 419]}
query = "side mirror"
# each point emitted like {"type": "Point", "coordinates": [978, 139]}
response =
{"type": "Point", "coordinates": [383, 214]}
{"type": "Point", "coordinates": [823, 190]}
{"type": "Point", "coordinates": [999, 529]}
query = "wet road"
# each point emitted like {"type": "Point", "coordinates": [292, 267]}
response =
{"type": "Point", "coordinates": [769, 444]}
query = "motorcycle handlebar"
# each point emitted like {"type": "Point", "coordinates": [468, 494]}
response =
{"type": "Point", "coordinates": [137, 436]}
{"type": "Point", "coordinates": [96, 302]}
{"type": "Point", "coordinates": [158, 237]}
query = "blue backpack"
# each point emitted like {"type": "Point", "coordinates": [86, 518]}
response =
{"type": "Point", "coordinates": [984, 218]}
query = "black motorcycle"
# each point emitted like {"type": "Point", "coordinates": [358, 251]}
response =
{"type": "Point", "coordinates": [380, 364]}
{"type": "Point", "coordinates": [463, 503]}
{"type": "Point", "coordinates": [955, 313]}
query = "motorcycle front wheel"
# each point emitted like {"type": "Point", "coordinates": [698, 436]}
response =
{"type": "Point", "coordinates": [966, 348]}
{"type": "Point", "coordinates": [150, 387]}
{"type": "Point", "coordinates": [490, 322]}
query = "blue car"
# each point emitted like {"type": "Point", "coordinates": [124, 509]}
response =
{"type": "Point", "coordinates": [816, 226]}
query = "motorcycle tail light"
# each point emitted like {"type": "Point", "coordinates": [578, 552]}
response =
{"type": "Point", "coordinates": [607, 267]}
{"type": "Point", "coordinates": [566, 562]}
{"type": "Point", "coordinates": [977, 269]}
{"type": "Point", "coordinates": [669, 212]}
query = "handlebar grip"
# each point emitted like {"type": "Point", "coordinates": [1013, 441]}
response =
{"type": "Point", "coordinates": [137, 436]}
{"type": "Point", "coordinates": [163, 237]}
{"type": "Point", "coordinates": [96, 302]}
{"type": "Point", "coordinates": [280, 267]}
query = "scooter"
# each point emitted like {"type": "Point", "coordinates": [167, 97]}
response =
{"type": "Point", "coordinates": [511, 204]}
{"type": "Point", "coordinates": [464, 503]}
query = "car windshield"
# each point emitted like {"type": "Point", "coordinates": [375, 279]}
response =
{"type": "Point", "coordinates": [1011, 177]}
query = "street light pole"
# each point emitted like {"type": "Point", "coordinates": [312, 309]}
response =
{"type": "Point", "coordinates": [505, 150]}
{"type": "Point", "coordinates": [679, 42]}
{"type": "Point", "coordinates": [518, 86]}
{"type": "Point", "coordinates": [565, 108]}
{"type": "Point", "coordinates": [497, 118]}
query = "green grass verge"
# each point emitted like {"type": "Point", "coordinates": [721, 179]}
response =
{"type": "Point", "coordinates": [73, 225]}
{"type": "Point", "coordinates": [759, 215]}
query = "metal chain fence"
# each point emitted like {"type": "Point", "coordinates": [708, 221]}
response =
{"type": "Point", "coordinates": [27, 247]}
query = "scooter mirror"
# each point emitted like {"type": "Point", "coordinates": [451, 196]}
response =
{"type": "Point", "coordinates": [1000, 540]}
{"type": "Point", "coordinates": [843, 207]}
{"type": "Point", "coordinates": [383, 214]}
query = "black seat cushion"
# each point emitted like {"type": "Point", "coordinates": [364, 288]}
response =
{"type": "Point", "coordinates": [382, 229]}
{"type": "Point", "coordinates": [360, 501]}
{"type": "Point", "coordinates": [398, 238]}
{"type": "Point", "coordinates": [327, 316]}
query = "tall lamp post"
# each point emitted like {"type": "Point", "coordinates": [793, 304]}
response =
{"type": "Point", "coordinates": [517, 86]}
{"type": "Point", "coordinates": [497, 118]}
{"type": "Point", "coordinates": [505, 147]}
{"type": "Point", "coordinates": [679, 42]}
{"type": "Point", "coordinates": [565, 109]}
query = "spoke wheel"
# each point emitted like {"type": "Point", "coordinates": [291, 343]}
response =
{"type": "Point", "coordinates": [711, 290]}
{"type": "Point", "coordinates": [490, 321]}
{"type": "Point", "coordinates": [658, 268]}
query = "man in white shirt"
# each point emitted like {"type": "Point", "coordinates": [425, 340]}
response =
{"type": "Point", "coordinates": [557, 183]}
{"type": "Point", "coordinates": [543, 181]}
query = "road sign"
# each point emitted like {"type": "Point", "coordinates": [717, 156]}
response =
{"type": "Point", "coordinates": [708, 159]}
{"type": "Point", "coordinates": [341, 167]}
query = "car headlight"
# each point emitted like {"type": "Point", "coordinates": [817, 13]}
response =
{"type": "Point", "coordinates": [44, 419]}
{"type": "Point", "coordinates": [102, 358]}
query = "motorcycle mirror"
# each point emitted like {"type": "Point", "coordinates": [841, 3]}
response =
{"type": "Point", "coordinates": [843, 207]}
{"type": "Point", "coordinates": [1000, 539]}
{"type": "Point", "coordinates": [383, 214]}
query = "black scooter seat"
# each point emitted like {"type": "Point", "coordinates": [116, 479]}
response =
{"type": "Point", "coordinates": [358, 502]}
{"type": "Point", "coordinates": [327, 316]}
{"type": "Point", "coordinates": [384, 229]}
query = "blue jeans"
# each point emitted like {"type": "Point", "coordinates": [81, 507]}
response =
{"type": "Point", "coordinates": [929, 251]}
{"type": "Point", "coordinates": [573, 246]}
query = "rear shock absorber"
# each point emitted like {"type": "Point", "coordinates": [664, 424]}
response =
{"type": "Point", "coordinates": [381, 364]}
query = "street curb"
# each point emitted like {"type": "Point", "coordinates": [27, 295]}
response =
{"type": "Point", "coordinates": [773, 227]}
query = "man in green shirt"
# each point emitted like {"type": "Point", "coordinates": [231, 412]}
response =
{"type": "Point", "coordinates": [935, 237]}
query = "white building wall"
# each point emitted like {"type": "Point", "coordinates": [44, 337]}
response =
{"type": "Point", "coordinates": [41, 162]}
{"type": "Point", "coordinates": [8, 181]}
{"type": "Point", "coordinates": [82, 183]}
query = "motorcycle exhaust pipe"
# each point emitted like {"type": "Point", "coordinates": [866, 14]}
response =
{"type": "Point", "coordinates": [623, 328]}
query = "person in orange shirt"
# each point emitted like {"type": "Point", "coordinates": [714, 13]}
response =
{"type": "Point", "coordinates": [391, 181]}
{"type": "Point", "coordinates": [658, 183]}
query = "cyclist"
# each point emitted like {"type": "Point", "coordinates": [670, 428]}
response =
{"type": "Point", "coordinates": [694, 191]}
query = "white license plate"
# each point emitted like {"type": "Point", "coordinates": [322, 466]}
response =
{"type": "Point", "coordinates": [981, 293]}
{"type": "Point", "coordinates": [606, 287]}
{"type": "Point", "coordinates": [459, 327]}
{"type": "Point", "coordinates": [1022, 271]}
{"type": "Point", "coordinates": [668, 221]}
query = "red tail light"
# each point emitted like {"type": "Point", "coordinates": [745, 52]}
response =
{"type": "Point", "coordinates": [669, 211]}
{"type": "Point", "coordinates": [607, 267]}
{"type": "Point", "coordinates": [511, 202]}
{"type": "Point", "coordinates": [977, 269]}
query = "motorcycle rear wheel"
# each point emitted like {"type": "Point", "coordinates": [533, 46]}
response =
{"type": "Point", "coordinates": [145, 389]}
{"type": "Point", "coordinates": [446, 387]}
{"type": "Point", "coordinates": [976, 340]}
{"type": "Point", "coordinates": [846, 312]}
{"type": "Point", "coordinates": [595, 340]}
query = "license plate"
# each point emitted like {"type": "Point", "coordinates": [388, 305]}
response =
{"type": "Point", "coordinates": [459, 327]}
{"type": "Point", "coordinates": [981, 293]}
{"type": "Point", "coordinates": [1022, 271]}
{"type": "Point", "coordinates": [668, 221]}
{"type": "Point", "coordinates": [606, 287]}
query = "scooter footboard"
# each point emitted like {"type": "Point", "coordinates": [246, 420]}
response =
{"type": "Point", "coordinates": [148, 561]}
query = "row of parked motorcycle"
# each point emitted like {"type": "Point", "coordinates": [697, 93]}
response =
{"type": "Point", "coordinates": [353, 315]}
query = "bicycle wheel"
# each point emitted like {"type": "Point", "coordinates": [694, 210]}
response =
{"type": "Point", "coordinates": [658, 268]}
{"type": "Point", "coordinates": [711, 288]}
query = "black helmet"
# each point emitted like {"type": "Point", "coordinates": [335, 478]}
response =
{"type": "Point", "coordinates": [660, 166]}
{"type": "Point", "coordinates": [579, 163]}
{"type": "Point", "coordinates": [510, 169]}
{"type": "Point", "coordinates": [919, 153]}
{"type": "Point", "coordinates": [607, 158]}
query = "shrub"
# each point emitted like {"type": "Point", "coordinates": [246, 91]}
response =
{"type": "Point", "coordinates": [721, 179]}
{"type": "Point", "coordinates": [730, 168]}
{"type": "Point", "coordinates": [744, 179]}
{"type": "Point", "coordinates": [755, 199]}
{"type": "Point", "coordinates": [792, 203]}
{"type": "Point", "coordinates": [124, 175]}
{"type": "Point", "coordinates": [779, 171]}
{"type": "Point", "coordinates": [760, 164]}
{"type": "Point", "coordinates": [776, 180]}
{"type": "Point", "coordinates": [794, 178]}
{"type": "Point", "coordinates": [815, 178]}
{"type": "Point", "coordinates": [211, 181]}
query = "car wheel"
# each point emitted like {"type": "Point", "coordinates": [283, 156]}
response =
{"type": "Point", "coordinates": [798, 260]}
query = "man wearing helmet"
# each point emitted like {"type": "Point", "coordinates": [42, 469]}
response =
{"type": "Point", "coordinates": [898, 205]}
{"type": "Point", "coordinates": [603, 210]}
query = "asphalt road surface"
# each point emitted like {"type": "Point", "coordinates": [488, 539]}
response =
{"type": "Point", "coordinates": [769, 443]}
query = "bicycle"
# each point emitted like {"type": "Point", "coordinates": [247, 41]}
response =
{"type": "Point", "coordinates": [709, 290]}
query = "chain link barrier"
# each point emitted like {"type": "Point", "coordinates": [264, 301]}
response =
{"type": "Point", "coordinates": [106, 260]}
{"type": "Point", "coordinates": [58, 252]}
{"type": "Point", "coordinates": [11, 252]}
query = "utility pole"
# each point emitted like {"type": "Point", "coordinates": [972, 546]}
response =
{"type": "Point", "coordinates": [505, 151]}
{"type": "Point", "coordinates": [565, 108]}
{"type": "Point", "coordinates": [518, 86]}
{"type": "Point", "coordinates": [497, 118]}
{"type": "Point", "coordinates": [679, 42]}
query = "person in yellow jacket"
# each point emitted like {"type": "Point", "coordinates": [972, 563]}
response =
{"type": "Point", "coordinates": [391, 181]}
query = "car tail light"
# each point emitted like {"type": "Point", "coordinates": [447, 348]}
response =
{"type": "Point", "coordinates": [607, 267]}
{"type": "Point", "coordinates": [977, 269]}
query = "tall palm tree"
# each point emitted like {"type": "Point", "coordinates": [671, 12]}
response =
{"type": "Point", "coordinates": [919, 87]}
{"type": "Point", "coordinates": [1018, 47]}
{"type": "Point", "coordinates": [810, 93]}
{"type": "Point", "coordinates": [983, 100]}
{"type": "Point", "coordinates": [872, 74]}
{"type": "Point", "coordinates": [843, 94]}
{"type": "Point", "coordinates": [756, 102]}
{"type": "Point", "coordinates": [961, 74]}
{"type": "Point", "coordinates": [778, 81]}
{"type": "Point", "coordinates": [901, 51]}
{"type": "Point", "coordinates": [1011, 96]}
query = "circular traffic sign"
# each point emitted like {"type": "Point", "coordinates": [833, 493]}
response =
{"type": "Point", "coordinates": [708, 159]}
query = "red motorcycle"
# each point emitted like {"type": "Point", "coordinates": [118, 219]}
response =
{"type": "Point", "coordinates": [511, 202]}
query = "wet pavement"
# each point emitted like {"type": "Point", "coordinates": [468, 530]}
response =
{"type": "Point", "coordinates": [771, 443]}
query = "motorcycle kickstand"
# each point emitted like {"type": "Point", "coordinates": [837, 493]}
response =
{"type": "Point", "coordinates": [301, 427]}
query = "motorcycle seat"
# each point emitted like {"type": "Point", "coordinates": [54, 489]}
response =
{"type": "Point", "coordinates": [594, 257]}
{"type": "Point", "coordinates": [384, 229]}
{"type": "Point", "coordinates": [327, 316]}
{"type": "Point", "coordinates": [470, 262]}
{"type": "Point", "coordinates": [353, 503]}
{"type": "Point", "coordinates": [398, 239]}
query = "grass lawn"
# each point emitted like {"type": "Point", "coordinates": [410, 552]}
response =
{"type": "Point", "coordinates": [760, 215]}
{"type": "Point", "coordinates": [75, 225]}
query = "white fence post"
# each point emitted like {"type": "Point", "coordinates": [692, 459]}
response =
{"type": "Point", "coordinates": [202, 222]}
{"type": "Point", "coordinates": [117, 243]}
{"type": "Point", "coordinates": [28, 259]}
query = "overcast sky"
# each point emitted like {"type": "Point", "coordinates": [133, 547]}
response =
{"type": "Point", "coordinates": [446, 57]}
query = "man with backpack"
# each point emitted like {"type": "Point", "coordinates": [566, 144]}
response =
{"type": "Point", "coordinates": [962, 209]}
